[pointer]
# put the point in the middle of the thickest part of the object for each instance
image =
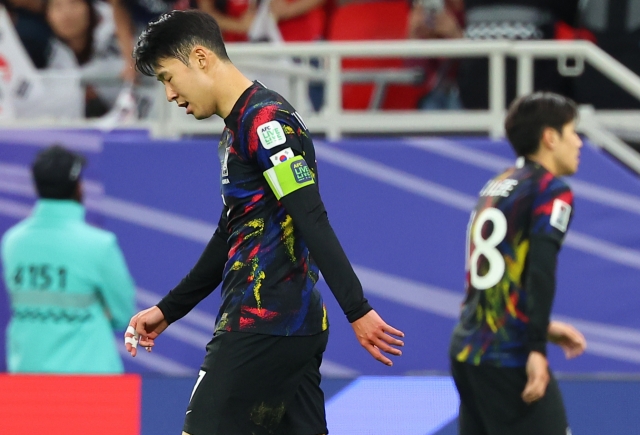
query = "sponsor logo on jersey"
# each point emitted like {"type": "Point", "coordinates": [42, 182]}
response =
{"type": "Point", "coordinates": [301, 172]}
{"type": "Point", "coordinates": [560, 215]}
{"type": "Point", "coordinates": [282, 156]}
{"type": "Point", "coordinates": [271, 134]}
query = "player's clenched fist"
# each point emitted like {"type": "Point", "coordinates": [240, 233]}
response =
{"type": "Point", "coordinates": [143, 329]}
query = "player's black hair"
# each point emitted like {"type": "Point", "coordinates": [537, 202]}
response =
{"type": "Point", "coordinates": [174, 35]}
{"type": "Point", "coordinates": [528, 116]}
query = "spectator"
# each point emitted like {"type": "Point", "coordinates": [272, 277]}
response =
{"type": "Point", "coordinates": [513, 20]}
{"type": "Point", "coordinates": [299, 20]}
{"type": "Point", "coordinates": [68, 283]}
{"type": "Point", "coordinates": [233, 16]}
{"type": "Point", "coordinates": [131, 16]}
{"type": "Point", "coordinates": [440, 19]}
{"type": "Point", "coordinates": [303, 21]}
{"type": "Point", "coordinates": [85, 38]}
{"type": "Point", "coordinates": [32, 28]}
{"type": "Point", "coordinates": [616, 27]}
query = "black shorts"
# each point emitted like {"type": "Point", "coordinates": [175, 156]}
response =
{"type": "Point", "coordinates": [256, 384]}
{"type": "Point", "coordinates": [491, 403]}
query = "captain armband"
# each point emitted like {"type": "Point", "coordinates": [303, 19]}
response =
{"type": "Point", "coordinates": [289, 176]}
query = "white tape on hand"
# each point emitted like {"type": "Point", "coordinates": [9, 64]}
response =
{"type": "Point", "coordinates": [133, 341]}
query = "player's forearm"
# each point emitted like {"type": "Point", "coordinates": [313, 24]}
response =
{"type": "Point", "coordinates": [310, 218]}
{"type": "Point", "coordinates": [205, 276]}
{"type": "Point", "coordinates": [540, 284]}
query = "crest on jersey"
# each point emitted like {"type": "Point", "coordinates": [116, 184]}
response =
{"type": "Point", "coordinates": [560, 215]}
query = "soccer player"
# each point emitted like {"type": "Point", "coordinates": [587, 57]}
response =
{"type": "Point", "coordinates": [498, 348]}
{"type": "Point", "coordinates": [261, 371]}
{"type": "Point", "coordinates": [66, 279]}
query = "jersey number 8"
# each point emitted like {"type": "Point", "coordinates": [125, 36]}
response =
{"type": "Point", "coordinates": [487, 248]}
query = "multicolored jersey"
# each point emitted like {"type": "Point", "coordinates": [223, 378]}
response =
{"type": "Point", "coordinates": [269, 280]}
{"type": "Point", "coordinates": [523, 202]}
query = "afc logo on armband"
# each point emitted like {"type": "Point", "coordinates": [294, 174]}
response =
{"type": "Point", "coordinates": [301, 172]}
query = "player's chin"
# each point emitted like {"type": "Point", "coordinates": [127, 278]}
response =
{"type": "Point", "coordinates": [199, 115]}
{"type": "Point", "coordinates": [572, 169]}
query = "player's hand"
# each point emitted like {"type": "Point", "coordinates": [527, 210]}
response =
{"type": "Point", "coordinates": [537, 377]}
{"type": "Point", "coordinates": [568, 338]}
{"type": "Point", "coordinates": [143, 329]}
{"type": "Point", "coordinates": [373, 334]}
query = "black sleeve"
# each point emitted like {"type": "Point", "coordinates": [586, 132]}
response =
{"type": "Point", "coordinates": [540, 283]}
{"type": "Point", "coordinates": [310, 218]}
{"type": "Point", "coordinates": [203, 278]}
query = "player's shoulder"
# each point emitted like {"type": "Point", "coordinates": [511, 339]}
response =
{"type": "Point", "coordinates": [266, 105]}
{"type": "Point", "coordinates": [547, 183]}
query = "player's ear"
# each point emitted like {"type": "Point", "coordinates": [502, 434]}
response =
{"type": "Point", "coordinates": [550, 137]}
{"type": "Point", "coordinates": [199, 57]}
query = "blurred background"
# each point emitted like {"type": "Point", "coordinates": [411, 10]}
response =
{"type": "Point", "coordinates": [406, 101]}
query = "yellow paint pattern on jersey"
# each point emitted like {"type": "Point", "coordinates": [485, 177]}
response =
{"type": "Point", "coordinates": [287, 237]}
{"type": "Point", "coordinates": [325, 318]}
{"type": "Point", "coordinates": [237, 265]}
{"type": "Point", "coordinates": [257, 225]}
{"type": "Point", "coordinates": [514, 269]}
{"type": "Point", "coordinates": [258, 276]}
{"type": "Point", "coordinates": [288, 130]}
{"type": "Point", "coordinates": [464, 353]}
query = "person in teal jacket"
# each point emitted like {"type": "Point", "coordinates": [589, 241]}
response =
{"type": "Point", "coordinates": [68, 283]}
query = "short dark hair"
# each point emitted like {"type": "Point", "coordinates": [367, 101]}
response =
{"type": "Point", "coordinates": [174, 35]}
{"type": "Point", "coordinates": [57, 172]}
{"type": "Point", "coordinates": [528, 116]}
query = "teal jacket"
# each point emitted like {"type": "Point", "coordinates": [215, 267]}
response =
{"type": "Point", "coordinates": [69, 288]}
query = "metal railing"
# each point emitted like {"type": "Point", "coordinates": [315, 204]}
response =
{"type": "Point", "coordinates": [333, 121]}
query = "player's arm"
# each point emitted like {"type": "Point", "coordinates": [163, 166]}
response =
{"type": "Point", "coordinates": [295, 187]}
{"type": "Point", "coordinates": [118, 289]}
{"type": "Point", "coordinates": [540, 283]}
{"type": "Point", "coordinates": [551, 216]}
{"type": "Point", "coordinates": [203, 278]}
{"type": "Point", "coordinates": [568, 338]}
{"type": "Point", "coordinates": [550, 220]}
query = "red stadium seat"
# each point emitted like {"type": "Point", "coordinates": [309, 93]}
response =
{"type": "Point", "coordinates": [381, 20]}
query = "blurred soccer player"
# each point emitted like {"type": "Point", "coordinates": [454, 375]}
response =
{"type": "Point", "coordinates": [498, 348]}
{"type": "Point", "coordinates": [67, 280]}
{"type": "Point", "coordinates": [261, 371]}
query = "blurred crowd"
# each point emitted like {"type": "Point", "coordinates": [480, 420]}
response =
{"type": "Point", "coordinates": [98, 36]}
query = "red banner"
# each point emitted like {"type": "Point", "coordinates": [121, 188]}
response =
{"type": "Point", "coordinates": [63, 405]}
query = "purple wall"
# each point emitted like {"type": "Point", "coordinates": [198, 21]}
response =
{"type": "Point", "coordinates": [400, 208]}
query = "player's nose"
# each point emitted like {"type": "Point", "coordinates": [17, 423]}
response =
{"type": "Point", "coordinates": [171, 94]}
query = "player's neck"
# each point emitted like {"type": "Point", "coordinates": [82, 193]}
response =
{"type": "Point", "coordinates": [545, 160]}
{"type": "Point", "coordinates": [234, 85]}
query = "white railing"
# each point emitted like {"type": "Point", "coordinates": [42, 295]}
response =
{"type": "Point", "coordinates": [333, 121]}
